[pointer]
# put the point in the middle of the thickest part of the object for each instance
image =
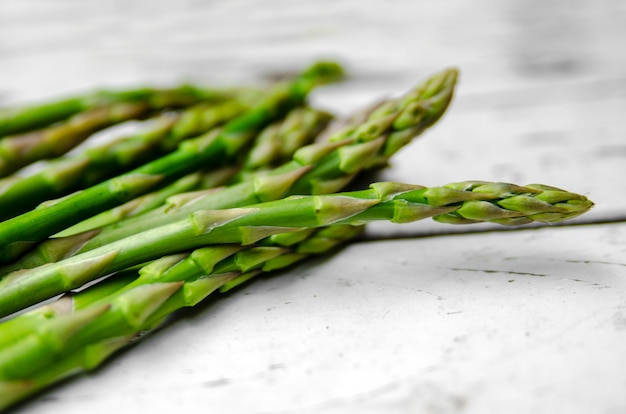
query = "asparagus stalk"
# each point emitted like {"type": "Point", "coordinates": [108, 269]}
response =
{"type": "Point", "coordinates": [194, 182]}
{"type": "Point", "coordinates": [466, 202]}
{"type": "Point", "coordinates": [81, 331]}
{"type": "Point", "coordinates": [277, 251]}
{"type": "Point", "coordinates": [17, 151]}
{"type": "Point", "coordinates": [28, 118]}
{"type": "Point", "coordinates": [368, 141]}
{"type": "Point", "coordinates": [300, 126]}
{"type": "Point", "coordinates": [73, 172]}
{"type": "Point", "coordinates": [19, 233]}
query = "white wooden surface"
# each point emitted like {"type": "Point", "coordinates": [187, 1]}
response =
{"type": "Point", "coordinates": [419, 318]}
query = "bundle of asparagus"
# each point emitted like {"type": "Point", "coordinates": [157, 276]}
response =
{"type": "Point", "coordinates": [258, 190]}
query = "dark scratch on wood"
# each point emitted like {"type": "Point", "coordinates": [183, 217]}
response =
{"type": "Point", "coordinates": [595, 262]}
{"type": "Point", "coordinates": [508, 272]}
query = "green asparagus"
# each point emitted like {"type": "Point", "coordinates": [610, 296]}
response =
{"type": "Point", "coordinates": [28, 118]}
{"type": "Point", "coordinates": [154, 260]}
{"type": "Point", "coordinates": [368, 140]}
{"type": "Point", "coordinates": [71, 173]}
{"type": "Point", "coordinates": [194, 183]}
{"type": "Point", "coordinates": [275, 252]}
{"type": "Point", "coordinates": [18, 151]}
{"type": "Point", "coordinates": [21, 232]}
{"type": "Point", "coordinates": [79, 332]}
{"type": "Point", "coordinates": [466, 202]}
{"type": "Point", "coordinates": [300, 126]}
{"type": "Point", "coordinates": [278, 142]}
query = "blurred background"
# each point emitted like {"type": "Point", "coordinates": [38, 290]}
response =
{"type": "Point", "coordinates": [541, 98]}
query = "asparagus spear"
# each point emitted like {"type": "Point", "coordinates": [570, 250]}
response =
{"type": "Point", "coordinates": [466, 202]}
{"type": "Point", "coordinates": [29, 118]}
{"type": "Point", "coordinates": [70, 173]}
{"type": "Point", "coordinates": [194, 182]}
{"type": "Point", "coordinates": [368, 141]}
{"type": "Point", "coordinates": [19, 233]}
{"type": "Point", "coordinates": [300, 126]}
{"type": "Point", "coordinates": [275, 252]}
{"type": "Point", "coordinates": [81, 331]}
{"type": "Point", "coordinates": [17, 151]}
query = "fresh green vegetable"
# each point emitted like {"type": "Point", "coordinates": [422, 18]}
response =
{"type": "Point", "coordinates": [22, 119]}
{"type": "Point", "coordinates": [300, 126]}
{"type": "Point", "coordinates": [79, 332]}
{"type": "Point", "coordinates": [19, 233]}
{"type": "Point", "coordinates": [466, 202]}
{"type": "Point", "coordinates": [78, 171]}
{"type": "Point", "coordinates": [127, 253]}
{"type": "Point", "coordinates": [367, 141]}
